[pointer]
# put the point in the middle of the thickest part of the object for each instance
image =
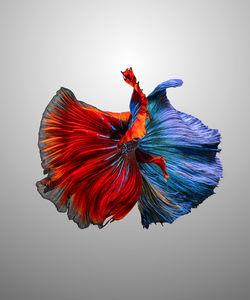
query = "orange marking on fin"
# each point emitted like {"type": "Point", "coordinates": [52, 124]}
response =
{"type": "Point", "coordinates": [124, 116]}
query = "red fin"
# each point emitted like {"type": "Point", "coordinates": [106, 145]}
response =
{"type": "Point", "coordinates": [138, 129]}
{"type": "Point", "coordinates": [87, 174]}
{"type": "Point", "coordinates": [147, 158]}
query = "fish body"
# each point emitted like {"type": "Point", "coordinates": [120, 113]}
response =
{"type": "Point", "coordinates": [99, 164]}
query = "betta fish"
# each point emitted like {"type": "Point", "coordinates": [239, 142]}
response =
{"type": "Point", "coordinates": [99, 164]}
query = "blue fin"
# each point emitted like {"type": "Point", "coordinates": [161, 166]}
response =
{"type": "Point", "coordinates": [189, 148]}
{"type": "Point", "coordinates": [161, 88]}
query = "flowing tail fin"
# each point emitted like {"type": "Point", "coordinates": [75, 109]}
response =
{"type": "Point", "coordinates": [88, 176]}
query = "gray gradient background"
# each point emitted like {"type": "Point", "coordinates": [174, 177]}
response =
{"type": "Point", "coordinates": [84, 45]}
